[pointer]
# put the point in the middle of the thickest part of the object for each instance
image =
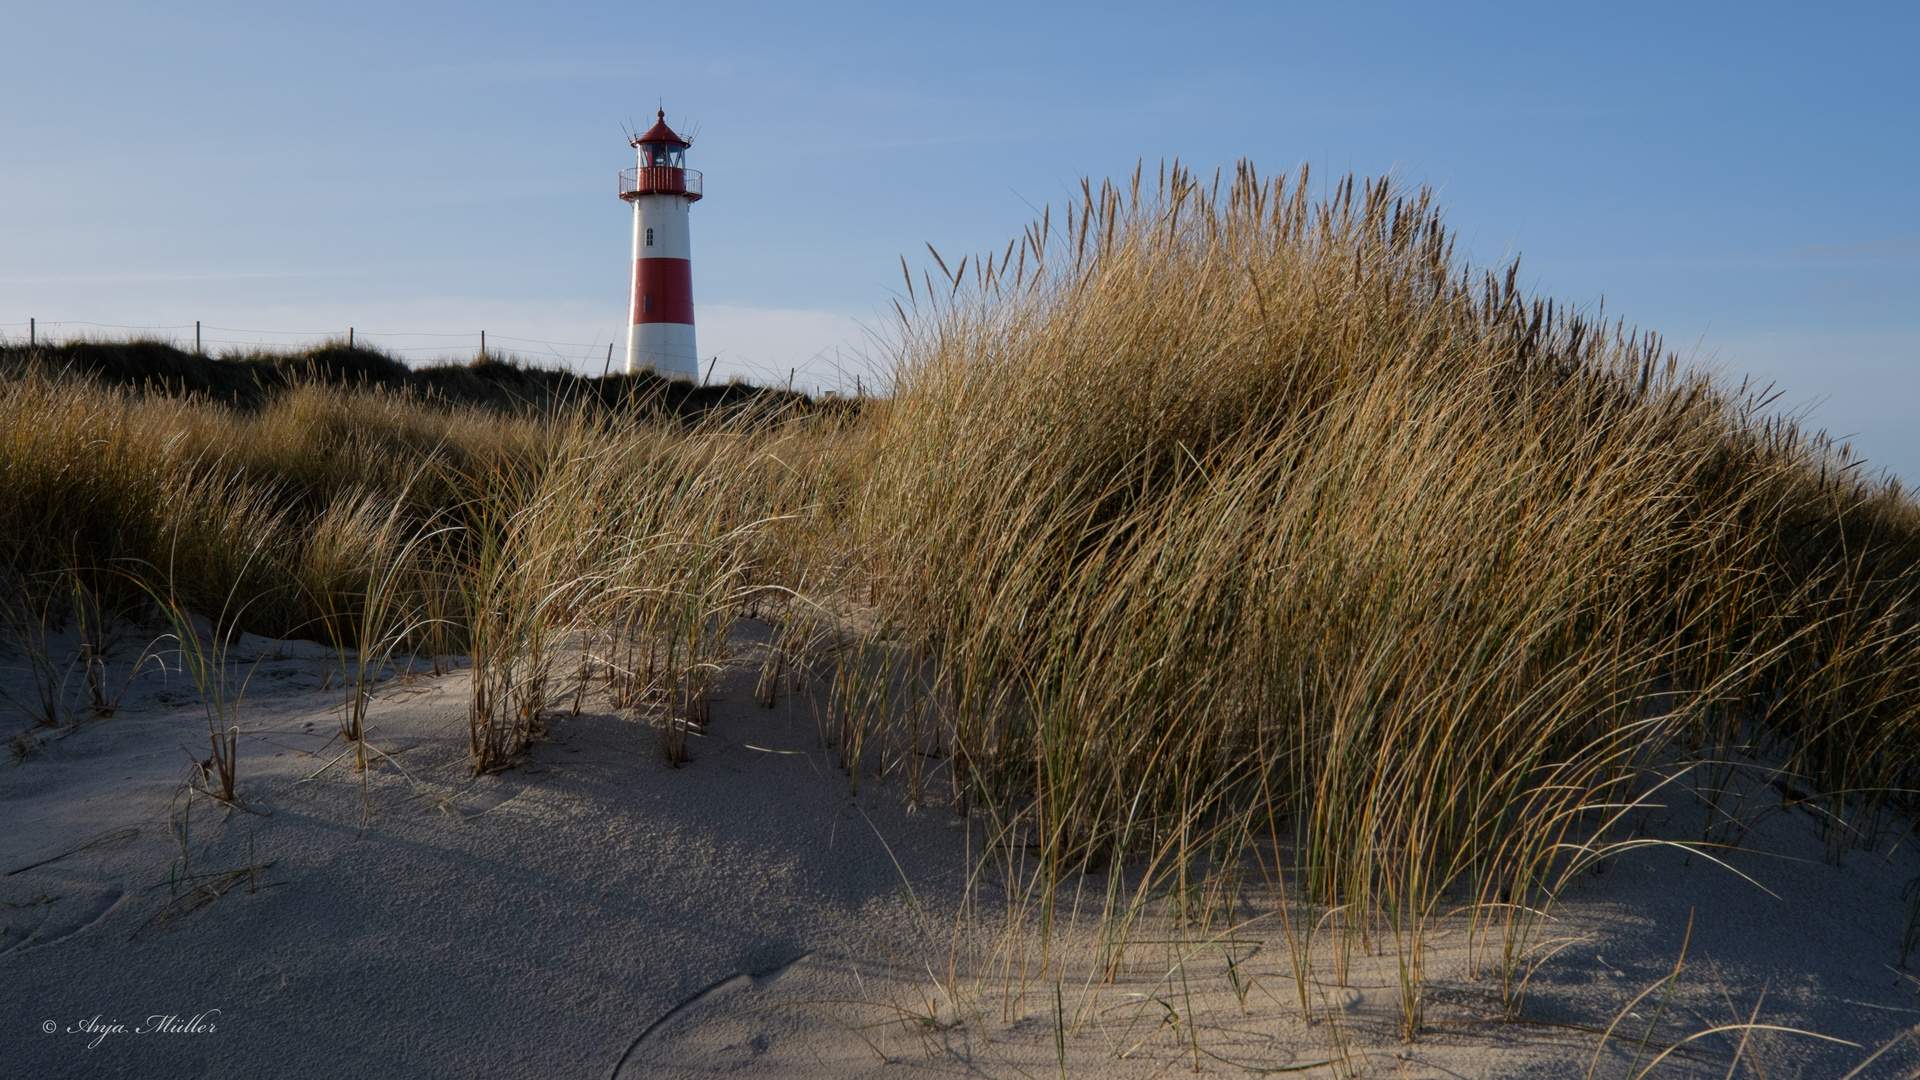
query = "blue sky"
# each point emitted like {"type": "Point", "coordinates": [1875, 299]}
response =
{"type": "Point", "coordinates": [1738, 177]}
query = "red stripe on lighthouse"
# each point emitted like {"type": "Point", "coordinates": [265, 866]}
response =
{"type": "Point", "coordinates": [663, 291]}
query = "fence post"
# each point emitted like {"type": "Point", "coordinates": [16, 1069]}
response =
{"type": "Point", "coordinates": [196, 337]}
{"type": "Point", "coordinates": [483, 344]}
{"type": "Point", "coordinates": [33, 332]}
{"type": "Point", "coordinates": [609, 364]}
{"type": "Point", "coordinates": [349, 337]}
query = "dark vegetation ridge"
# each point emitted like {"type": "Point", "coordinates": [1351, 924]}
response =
{"type": "Point", "coordinates": [248, 379]}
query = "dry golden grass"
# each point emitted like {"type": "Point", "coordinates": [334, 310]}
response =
{"type": "Point", "coordinates": [1220, 532]}
{"type": "Point", "coordinates": [1233, 524]}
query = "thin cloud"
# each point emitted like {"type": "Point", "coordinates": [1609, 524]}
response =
{"type": "Point", "coordinates": [1895, 247]}
{"type": "Point", "coordinates": [166, 278]}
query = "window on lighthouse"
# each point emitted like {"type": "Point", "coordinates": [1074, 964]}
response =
{"type": "Point", "coordinates": [649, 236]}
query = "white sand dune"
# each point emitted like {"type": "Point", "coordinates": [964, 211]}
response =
{"type": "Point", "coordinates": [596, 913]}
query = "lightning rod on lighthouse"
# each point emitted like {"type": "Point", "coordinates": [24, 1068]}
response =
{"type": "Point", "coordinates": [661, 189]}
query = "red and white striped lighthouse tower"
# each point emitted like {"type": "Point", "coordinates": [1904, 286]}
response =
{"type": "Point", "coordinates": [661, 189]}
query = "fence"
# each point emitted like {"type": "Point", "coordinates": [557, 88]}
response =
{"type": "Point", "coordinates": [817, 373]}
{"type": "Point", "coordinates": [410, 346]}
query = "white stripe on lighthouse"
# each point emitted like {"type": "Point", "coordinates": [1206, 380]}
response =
{"type": "Point", "coordinates": [660, 231]}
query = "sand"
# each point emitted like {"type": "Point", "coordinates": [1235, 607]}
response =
{"type": "Point", "coordinates": [598, 913]}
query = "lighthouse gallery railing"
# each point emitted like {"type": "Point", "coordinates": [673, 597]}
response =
{"type": "Point", "coordinates": [660, 180]}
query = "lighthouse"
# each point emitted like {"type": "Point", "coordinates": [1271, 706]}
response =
{"type": "Point", "coordinates": [661, 189]}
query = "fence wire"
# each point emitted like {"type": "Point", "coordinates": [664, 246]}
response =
{"type": "Point", "coordinates": [823, 371]}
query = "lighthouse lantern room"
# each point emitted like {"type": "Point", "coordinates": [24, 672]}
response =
{"type": "Point", "coordinates": [661, 189]}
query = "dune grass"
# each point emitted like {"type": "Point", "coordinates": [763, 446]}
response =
{"type": "Point", "coordinates": [1231, 522]}
{"type": "Point", "coordinates": [1212, 531]}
